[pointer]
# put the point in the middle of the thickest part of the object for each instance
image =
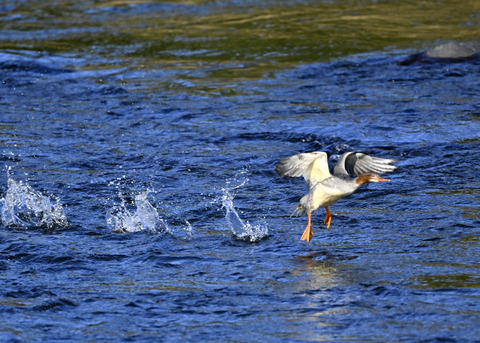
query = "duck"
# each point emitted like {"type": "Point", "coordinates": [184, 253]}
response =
{"type": "Point", "coordinates": [327, 188]}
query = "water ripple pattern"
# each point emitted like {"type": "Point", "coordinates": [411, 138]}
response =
{"type": "Point", "coordinates": [141, 203]}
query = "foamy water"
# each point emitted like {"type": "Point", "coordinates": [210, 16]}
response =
{"type": "Point", "coordinates": [24, 207]}
{"type": "Point", "coordinates": [140, 216]}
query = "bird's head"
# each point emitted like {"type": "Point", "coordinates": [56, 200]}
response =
{"type": "Point", "coordinates": [369, 177]}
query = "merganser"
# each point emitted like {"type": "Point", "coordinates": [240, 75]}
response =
{"type": "Point", "coordinates": [325, 188]}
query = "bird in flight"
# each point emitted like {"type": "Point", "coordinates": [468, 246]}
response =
{"type": "Point", "coordinates": [325, 188]}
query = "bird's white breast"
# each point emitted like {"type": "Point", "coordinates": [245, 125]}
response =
{"type": "Point", "coordinates": [330, 191]}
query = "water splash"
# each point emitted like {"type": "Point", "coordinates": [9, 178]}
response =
{"type": "Point", "coordinates": [144, 217]}
{"type": "Point", "coordinates": [182, 232]}
{"type": "Point", "coordinates": [240, 229]}
{"type": "Point", "coordinates": [26, 208]}
{"type": "Point", "coordinates": [141, 215]}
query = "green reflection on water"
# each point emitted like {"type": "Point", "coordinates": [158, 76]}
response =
{"type": "Point", "coordinates": [270, 35]}
{"type": "Point", "coordinates": [448, 281]}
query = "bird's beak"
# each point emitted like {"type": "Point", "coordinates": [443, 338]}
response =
{"type": "Point", "coordinates": [382, 179]}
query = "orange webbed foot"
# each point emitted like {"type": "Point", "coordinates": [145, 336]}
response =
{"type": "Point", "coordinates": [328, 217]}
{"type": "Point", "coordinates": [308, 233]}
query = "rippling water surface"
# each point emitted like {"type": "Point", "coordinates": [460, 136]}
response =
{"type": "Point", "coordinates": [138, 195]}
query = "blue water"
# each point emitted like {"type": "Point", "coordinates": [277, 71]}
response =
{"type": "Point", "coordinates": [142, 204]}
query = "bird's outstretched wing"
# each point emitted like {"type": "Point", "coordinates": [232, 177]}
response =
{"type": "Point", "coordinates": [355, 163]}
{"type": "Point", "coordinates": [313, 166]}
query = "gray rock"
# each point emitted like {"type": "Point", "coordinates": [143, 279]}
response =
{"type": "Point", "coordinates": [448, 52]}
{"type": "Point", "coordinates": [455, 50]}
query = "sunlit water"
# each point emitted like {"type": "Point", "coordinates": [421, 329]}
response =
{"type": "Point", "coordinates": [139, 200]}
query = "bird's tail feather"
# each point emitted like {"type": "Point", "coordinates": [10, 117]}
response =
{"type": "Point", "coordinates": [299, 210]}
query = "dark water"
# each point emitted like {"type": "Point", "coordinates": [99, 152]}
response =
{"type": "Point", "coordinates": [139, 199]}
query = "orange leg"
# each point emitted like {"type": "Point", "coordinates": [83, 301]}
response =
{"type": "Point", "coordinates": [308, 233]}
{"type": "Point", "coordinates": [328, 217]}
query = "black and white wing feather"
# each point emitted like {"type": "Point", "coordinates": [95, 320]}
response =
{"type": "Point", "coordinates": [355, 164]}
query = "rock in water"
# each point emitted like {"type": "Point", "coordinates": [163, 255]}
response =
{"type": "Point", "coordinates": [448, 52]}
